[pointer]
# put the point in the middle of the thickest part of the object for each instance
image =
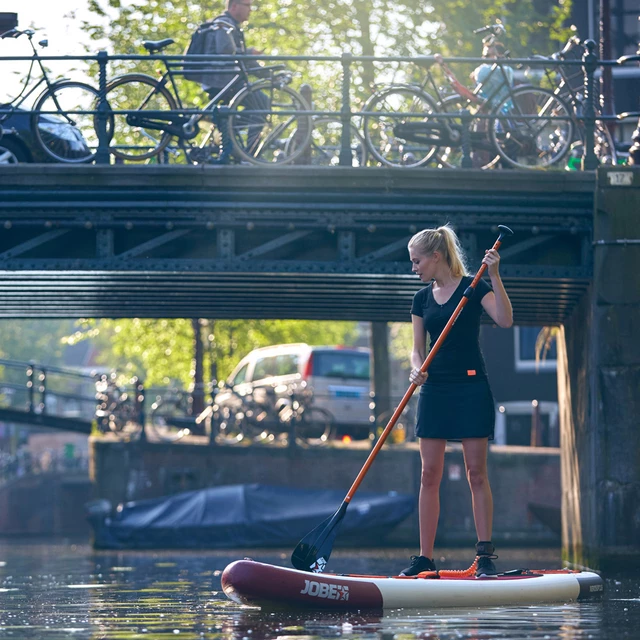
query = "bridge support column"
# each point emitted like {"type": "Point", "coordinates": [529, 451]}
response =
{"type": "Point", "coordinates": [599, 389]}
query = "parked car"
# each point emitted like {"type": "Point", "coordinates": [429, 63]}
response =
{"type": "Point", "coordinates": [19, 144]}
{"type": "Point", "coordinates": [336, 378]}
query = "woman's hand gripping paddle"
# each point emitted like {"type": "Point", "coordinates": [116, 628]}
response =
{"type": "Point", "coordinates": [313, 551]}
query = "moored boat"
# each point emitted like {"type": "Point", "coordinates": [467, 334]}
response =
{"type": "Point", "coordinates": [272, 587]}
{"type": "Point", "coordinates": [242, 515]}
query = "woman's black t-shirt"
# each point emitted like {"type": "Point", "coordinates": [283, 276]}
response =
{"type": "Point", "coordinates": [459, 358]}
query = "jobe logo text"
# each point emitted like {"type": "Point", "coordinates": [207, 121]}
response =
{"type": "Point", "coordinates": [324, 590]}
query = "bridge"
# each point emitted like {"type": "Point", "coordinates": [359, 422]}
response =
{"type": "Point", "coordinates": [46, 396]}
{"type": "Point", "coordinates": [330, 243]}
{"type": "Point", "coordinates": [297, 242]}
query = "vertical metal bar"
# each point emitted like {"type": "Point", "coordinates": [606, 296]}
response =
{"type": "Point", "coordinates": [295, 418]}
{"type": "Point", "coordinates": [303, 125]}
{"type": "Point", "coordinates": [102, 153]}
{"type": "Point", "coordinates": [221, 120]}
{"type": "Point", "coordinates": [634, 150]}
{"type": "Point", "coordinates": [346, 160]}
{"type": "Point", "coordinates": [141, 408]}
{"type": "Point", "coordinates": [42, 388]}
{"type": "Point", "coordinates": [467, 160]}
{"type": "Point", "coordinates": [31, 388]}
{"type": "Point", "coordinates": [606, 79]}
{"type": "Point", "coordinates": [104, 243]}
{"type": "Point", "coordinates": [589, 63]}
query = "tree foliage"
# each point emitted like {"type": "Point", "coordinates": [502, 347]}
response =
{"type": "Point", "coordinates": [160, 352]}
{"type": "Point", "coordinates": [34, 340]}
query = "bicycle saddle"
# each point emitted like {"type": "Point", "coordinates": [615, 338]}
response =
{"type": "Point", "coordinates": [152, 46]}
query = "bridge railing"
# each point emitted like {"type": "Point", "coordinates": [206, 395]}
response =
{"type": "Point", "coordinates": [350, 106]}
{"type": "Point", "coordinates": [46, 390]}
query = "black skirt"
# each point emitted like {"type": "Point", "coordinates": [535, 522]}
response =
{"type": "Point", "coordinates": [456, 410]}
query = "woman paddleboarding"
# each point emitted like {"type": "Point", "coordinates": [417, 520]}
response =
{"type": "Point", "coordinates": [455, 400]}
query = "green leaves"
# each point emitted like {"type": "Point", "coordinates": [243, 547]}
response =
{"type": "Point", "coordinates": [161, 352]}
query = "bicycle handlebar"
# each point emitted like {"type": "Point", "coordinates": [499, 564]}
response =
{"type": "Point", "coordinates": [16, 33]}
{"type": "Point", "coordinates": [497, 29]}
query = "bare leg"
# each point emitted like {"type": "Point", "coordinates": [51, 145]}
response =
{"type": "Point", "coordinates": [475, 460]}
{"type": "Point", "coordinates": [432, 455]}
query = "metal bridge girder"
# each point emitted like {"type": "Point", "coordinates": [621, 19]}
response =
{"type": "Point", "coordinates": [65, 243]}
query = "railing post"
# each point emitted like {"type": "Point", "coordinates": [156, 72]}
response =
{"type": "Point", "coordinates": [346, 159]}
{"type": "Point", "coordinates": [634, 149]}
{"type": "Point", "coordinates": [305, 158]}
{"type": "Point", "coordinates": [31, 388]}
{"type": "Point", "coordinates": [221, 120]}
{"type": "Point", "coordinates": [374, 407]}
{"type": "Point", "coordinates": [589, 63]}
{"type": "Point", "coordinates": [42, 388]}
{"type": "Point", "coordinates": [467, 160]}
{"type": "Point", "coordinates": [295, 416]}
{"type": "Point", "coordinates": [102, 153]}
{"type": "Point", "coordinates": [140, 404]}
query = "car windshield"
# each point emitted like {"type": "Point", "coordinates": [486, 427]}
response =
{"type": "Point", "coordinates": [341, 364]}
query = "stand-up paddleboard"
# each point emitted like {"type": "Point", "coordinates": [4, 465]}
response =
{"type": "Point", "coordinates": [269, 586]}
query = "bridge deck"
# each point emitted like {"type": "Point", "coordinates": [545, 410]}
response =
{"type": "Point", "coordinates": [294, 242]}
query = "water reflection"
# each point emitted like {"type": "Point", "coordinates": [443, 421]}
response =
{"type": "Point", "coordinates": [59, 591]}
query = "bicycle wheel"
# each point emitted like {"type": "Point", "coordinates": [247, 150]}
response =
{"type": "Point", "coordinates": [404, 428]}
{"type": "Point", "coordinates": [261, 138]}
{"type": "Point", "coordinates": [124, 417]}
{"type": "Point", "coordinates": [138, 136]}
{"type": "Point", "coordinates": [397, 140]}
{"type": "Point", "coordinates": [204, 148]}
{"type": "Point", "coordinates": [604, 146]}
{"type": "Point", "coordinates": [526, 135]}
{"type": "Point", "coordinates": [326, 143]}
{"type": "Point", "coordinates": [483, 151]}
{"type": "Point", "coordinates": [227, 426]}
{"type": "Point", "coordinates": [168, 420]}
{"type": "Point", "coordinates": [63, 133]}
{"type": "Point", "coordinates": [315, 427]}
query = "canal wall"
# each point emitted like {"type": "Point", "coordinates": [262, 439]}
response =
{"type": "Point", "coordinates": [599, 388]}
{"type": "Point", "coordinates": [525, 480]}
{"type": "Point", "coordinates": [45, 504]}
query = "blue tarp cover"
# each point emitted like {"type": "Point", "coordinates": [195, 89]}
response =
{"type": "Point", "coordinates": [246, 515]}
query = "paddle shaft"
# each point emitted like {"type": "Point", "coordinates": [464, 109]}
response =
{"type": "Point", "coordinates": [425, 365]}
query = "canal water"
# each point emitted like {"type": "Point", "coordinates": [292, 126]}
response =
{"type": "Point", "coordinates": [61, 590]}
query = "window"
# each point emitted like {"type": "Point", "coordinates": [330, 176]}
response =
{"type": "Point", "coordinates": [522, 422]}
{"type": "Point", "coordinates": [241, 376]}
{"type": "Point", "coordinates": [286, 365]}
{"type": "Point", "coordinates": [265, 368]}
{"type": "Point", "coordinates": [525, 351]}
{"type": "Point", "coordinates": [339, 364]}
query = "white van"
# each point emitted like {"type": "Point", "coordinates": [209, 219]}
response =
{"type": "Point", "coordinates": [338, 377]}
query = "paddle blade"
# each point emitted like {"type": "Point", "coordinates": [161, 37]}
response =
{"type": "Point", "coordinates": [313, 551]}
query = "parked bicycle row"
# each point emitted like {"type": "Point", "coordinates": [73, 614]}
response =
{"type": "Point", "coordinates": [283, 417]}
{"type": "Point", "coordinates": [427, 118]}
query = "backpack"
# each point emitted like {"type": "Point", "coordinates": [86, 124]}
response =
{"type": "Point", "coordinates": [203, 43]}
{"type": "Point", "coordinates": [199, 45]}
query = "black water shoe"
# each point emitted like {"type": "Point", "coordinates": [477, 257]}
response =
{"type": "Point", "coordinates": [486, 556]}
{"type": "Point", "coordinates": [418, 565]}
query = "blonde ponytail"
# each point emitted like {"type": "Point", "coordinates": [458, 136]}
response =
{"type": "Point", "coordinates": [446, 242]}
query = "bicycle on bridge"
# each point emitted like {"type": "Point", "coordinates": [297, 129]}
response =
{"type": "Point", "coordinates": [148, 113]}
{"type": "Point", "coordinates": [567, 82]}
{"type": "Point", "coordinates": [61, 117]}
{"type": "Point", "coordinates": [520, 126]}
